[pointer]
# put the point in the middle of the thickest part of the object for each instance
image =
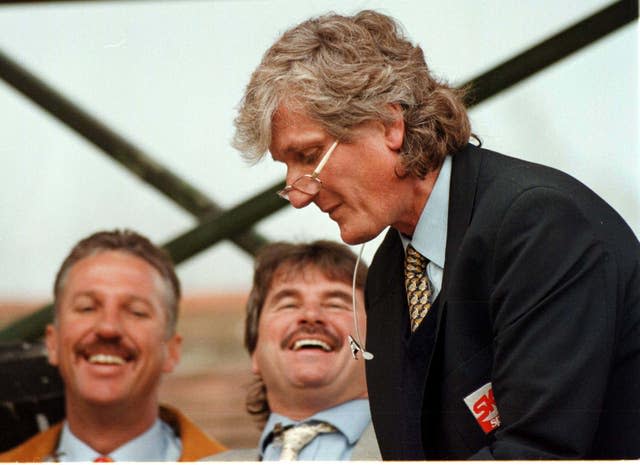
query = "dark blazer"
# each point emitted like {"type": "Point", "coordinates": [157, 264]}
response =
{"type": "Point", "coordinates": [540, 298]}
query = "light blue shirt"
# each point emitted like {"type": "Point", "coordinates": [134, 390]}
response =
{"type": "Point", "coordinates": [350, 419]}
{"type": "Point", "coordinates": [158, 444]}
{"type": "Point", "coordinates": [430, 235]}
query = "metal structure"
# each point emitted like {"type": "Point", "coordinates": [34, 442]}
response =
{"type": "Point", "coordinates": [31, 395]}
{"type": "Point", "coordinates": [235, 224]}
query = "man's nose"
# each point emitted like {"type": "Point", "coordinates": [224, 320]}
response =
{"type": "Point", "coordinates": [109, 323]}
{"type": "Point", "coordinates": [312, 313]}
{"type": "Point", "coordinates": [300, 199]}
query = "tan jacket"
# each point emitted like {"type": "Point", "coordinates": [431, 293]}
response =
{"type": "Point", "coordinates": [195, 443]}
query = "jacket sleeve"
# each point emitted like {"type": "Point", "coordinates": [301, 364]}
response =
{"type": "Point", "coordinates": [553, 310]}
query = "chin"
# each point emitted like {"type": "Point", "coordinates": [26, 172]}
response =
{"type": "Point", "coordinates": [104, 396]}
{"type": "Point", "coordinates": [311, 378]}
{"type": "Point", "coordinates": [354, 238]}
{"type": "Point", "coordinates": [359, 232]}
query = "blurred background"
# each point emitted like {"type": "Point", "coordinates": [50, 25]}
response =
{"type": "Point", "coordinates": [168, 75]}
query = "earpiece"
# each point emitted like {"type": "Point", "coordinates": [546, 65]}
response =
{"type": "Point", "coordinates": [354, 343]}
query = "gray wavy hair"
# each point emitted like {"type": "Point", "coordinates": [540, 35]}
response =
{"type": "Point", "coordinates": [345, 70]}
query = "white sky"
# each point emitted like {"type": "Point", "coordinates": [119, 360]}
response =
{"type": "Point", "coordinates": [168, 75]}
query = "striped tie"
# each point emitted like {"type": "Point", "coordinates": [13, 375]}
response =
{"type": "Point", "coordinates": [418, 287]}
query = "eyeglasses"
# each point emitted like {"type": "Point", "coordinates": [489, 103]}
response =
{"type": "Point", "coordinates": [308, 184]}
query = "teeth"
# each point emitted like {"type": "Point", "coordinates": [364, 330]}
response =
{"type": "Point", "coordinates": [105, 359]}
{"type": "Point", "coordinates": [301, 343]}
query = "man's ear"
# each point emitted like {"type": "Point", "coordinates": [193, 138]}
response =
{"type": "Point", "coordinates": [51, 342]}
{"type": "Point", "coordinates": [394, 130]}
{"type": "Point", "coordinates": [255, 367]}
{"type": "Point", "coordinates": [174, 350]}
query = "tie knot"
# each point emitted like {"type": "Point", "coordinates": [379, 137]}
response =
{"type": "Point", "coordinates": [414, 260]}
{"type": "Point", "coordinates": [295, 438]}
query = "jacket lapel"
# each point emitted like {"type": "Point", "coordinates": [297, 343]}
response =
{"type": "Point", "coordinates": [462, 192]}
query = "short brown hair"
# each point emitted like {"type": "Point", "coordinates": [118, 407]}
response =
{"type": "Point", "coordinates": [342, 71]}
{"type": "Point", "coordinates": [336, 261]}
{"type": "Point", "coordinates": [132, 243]}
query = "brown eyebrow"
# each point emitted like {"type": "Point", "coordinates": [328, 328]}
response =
{"type": "Point", "coordinates": [291, 292]}
{"type": "Point", "coordinates": [346, 296]}
{"type": "Point", "coordinates": [301, 143]}
{"type": "Point", "coordinates": [94, 296]}
{"type": "Point", "coordinates": [284, 293]}
{"type": "Point", "coordinates": [89, 294]}
{"type": "Point", "coordinates": [301, 147]}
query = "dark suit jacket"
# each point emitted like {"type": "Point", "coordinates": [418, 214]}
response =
{"type": "Point", "coordinates": [540, 298]}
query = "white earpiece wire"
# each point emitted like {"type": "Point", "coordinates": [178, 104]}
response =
{"type": "Point", "coordinates": [355, 343]}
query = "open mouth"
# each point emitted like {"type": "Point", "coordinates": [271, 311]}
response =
{"type": "Point", "coordinates": [310, 344]}
{"type": "Point", "coordinates": [109, 355]}
{"type": "Point", "coordinates": [106, 359]}
{"type": "Point", "coordinates": [311, 337]}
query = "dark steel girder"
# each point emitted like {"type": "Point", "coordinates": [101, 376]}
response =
{"type": "Point", "coordinates": [119, 149]}
{"type": "Point", "coordinates": [216, 225]}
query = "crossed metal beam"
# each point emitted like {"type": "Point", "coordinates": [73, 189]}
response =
{"type": "Point", "coordinates": [216, 224]}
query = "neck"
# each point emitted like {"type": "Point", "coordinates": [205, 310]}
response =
{"type": "Point", "coordinates": [419, 193]}
{"type": "Point", "coordinates": [106, 427]}
{"type": "Point", "coordinates": [306, 402]}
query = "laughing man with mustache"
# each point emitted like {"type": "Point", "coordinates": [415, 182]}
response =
{"type": "Point", "coordinates": [299, 318]}
{"type": "Point", "coordinates": [113, 337]}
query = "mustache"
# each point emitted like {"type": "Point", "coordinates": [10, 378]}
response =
{"type": "Point", "coordinates": [113, 347]}
{"type": "Point", "coordinates": [307, 329]}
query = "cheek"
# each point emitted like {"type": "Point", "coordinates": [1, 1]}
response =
{"type": "Point", "coordinates": [154, 342]}
{"type": "Point", "coordinates": [272, 329]}
{"type": "Point", "coordinates": [344, 324]}
{"type": "Point", "coordinates": [271, 332]}
{"type": "Point", "coordinates": [67, 339]}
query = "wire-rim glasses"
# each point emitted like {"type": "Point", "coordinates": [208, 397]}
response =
{"type": "Point", "coordinates": [308, 184]}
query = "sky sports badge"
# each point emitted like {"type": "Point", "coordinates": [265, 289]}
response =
{"type": "Point", "coordinates": [483, 406]}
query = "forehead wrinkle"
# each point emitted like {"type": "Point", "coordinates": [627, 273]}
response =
{"type": "Point", "coordinates": [292, 130]}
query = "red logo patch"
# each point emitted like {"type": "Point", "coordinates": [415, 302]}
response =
{"type": "Point", "coordinates": [483, 406]}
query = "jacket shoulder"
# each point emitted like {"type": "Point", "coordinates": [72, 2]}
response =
{"type": "Point", "coordinates": [196, 444]}
{"type": "Point", "coordinates": [35, 449]}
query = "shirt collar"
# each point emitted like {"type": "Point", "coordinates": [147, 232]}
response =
{"type": "Point", "coordinates": [350, 418]}
{"type": "Point", "coordinates": [430, 235]}
{"type": "Point", "coordinates": [152, 445]}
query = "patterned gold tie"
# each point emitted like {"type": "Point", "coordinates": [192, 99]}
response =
{"type": "Point", "coordinates": [296, 437]}
{"type": "Point", "coordinates": [418, 287]}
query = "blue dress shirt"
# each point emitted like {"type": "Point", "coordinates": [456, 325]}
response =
{"type": "Point", "coordinates": [430, 235]}
{"type": "Point", "coordinates": [158, 444]}
{"type": "Point", "coordinates": [350, 419]}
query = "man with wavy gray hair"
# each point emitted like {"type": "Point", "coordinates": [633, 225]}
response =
{"type": "Point", "coordinates": [309, 396]}
{"type": "Point", "coordinates": [503, 306]}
